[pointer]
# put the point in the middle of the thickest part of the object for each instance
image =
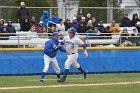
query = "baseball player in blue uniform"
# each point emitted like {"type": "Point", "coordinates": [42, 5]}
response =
{"type": "Point", "coordinates": [50, 51]}
{"type": "Point", "coordinates": [71, 43]}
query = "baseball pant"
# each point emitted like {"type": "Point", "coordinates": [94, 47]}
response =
{"type": "Point", "coordinates": [53, 62]}
{"type": "Point", "coordinates": [72, 60]}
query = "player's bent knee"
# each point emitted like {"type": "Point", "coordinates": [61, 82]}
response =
{"type": "Point", "coordinates": [76, 65]}
{"type": "Point", "coordinates": [45, 69]}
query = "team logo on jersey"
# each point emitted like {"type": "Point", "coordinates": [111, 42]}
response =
{"type": "Point", "coordinates": [68, 42]}
{"type": "Point", "coordinates": [70, 45]}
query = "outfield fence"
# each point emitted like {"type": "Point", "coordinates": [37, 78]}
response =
{"type": "Point", "coordinates": [100, 60]}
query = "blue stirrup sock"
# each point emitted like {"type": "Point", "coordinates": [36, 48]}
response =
{"type": "Point", "coordinates": [43, 75]}
{"type": "Point", "coordinates": [58, 75]}
{"type": "Point", "coordinates": [66, 72]}
{"type": "Point", "coordinates": [81, 69]}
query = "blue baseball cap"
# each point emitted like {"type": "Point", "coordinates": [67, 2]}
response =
{"type": "Point", "coordinates": [55, 34]}
{"type": "Point", "coordinates": [45, 12]}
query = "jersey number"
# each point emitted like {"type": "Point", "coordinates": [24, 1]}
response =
{"type": "Point", "coordinates": [72, 47]}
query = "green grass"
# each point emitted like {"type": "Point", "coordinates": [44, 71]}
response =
{"type": "Point", "coordinates": [92, 78]}
{"type": "Point", "coordinates": [8, 81]}
{"type": "Point", "coordinates": [95, 89]}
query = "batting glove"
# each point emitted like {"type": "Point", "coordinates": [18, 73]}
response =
{"type": "Point", "coordinates": [59, 45]}
{"type": "Point", "coordinates": [86, 54]}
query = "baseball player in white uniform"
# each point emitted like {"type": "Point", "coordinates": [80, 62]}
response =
{"type": "Point", "coordinates": [71, 43]}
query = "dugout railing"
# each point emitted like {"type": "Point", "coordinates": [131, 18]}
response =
{"type": "Point", "coordinates": [34, 40]}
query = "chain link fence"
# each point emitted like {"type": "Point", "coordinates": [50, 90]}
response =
{"type": "Point", "coordinates": [107, 14]}
{"type": "Point", "coordinates": [9, 12]}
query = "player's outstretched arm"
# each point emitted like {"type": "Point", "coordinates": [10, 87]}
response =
{"type": "Point", "coordinates": [62, 49]}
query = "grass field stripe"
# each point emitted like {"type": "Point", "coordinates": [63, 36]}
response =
{"type": "Point", "coordinates": [56, 79]}
{"type": "Point", "coordinates": [70, 85]}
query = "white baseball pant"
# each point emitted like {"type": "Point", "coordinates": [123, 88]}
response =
{"type": "Point", "coordinates": [48, 60]}
{"type": "Point", "coordinates": [72, 60]}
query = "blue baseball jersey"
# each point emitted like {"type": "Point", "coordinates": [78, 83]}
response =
{"type": "Point", "coordinates": [55, 20]}
{"type": "Point", "coordinates": [44, 20]}
{"type": "Point", "coordinates": [50, 50]}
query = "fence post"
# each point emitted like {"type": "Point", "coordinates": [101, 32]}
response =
{"type": "Point", "coordinates": [18, 40]}
{"type": "Point", "coordinates": [109, 11]}
{"type": "Point", "coordinates": [120, 40]}
{"type": "Point", "coordinates": [87, 41]}
{"type": "Point", "coordinates": [50, 12]}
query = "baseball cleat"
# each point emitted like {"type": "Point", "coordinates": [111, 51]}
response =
{"type": "Point", "coordinates": [41, 81]}
{"type": "Point", "coordinates": [59, 80]}
{"type": "Point", "coordinates": [85, 74]}
{"type": "Point", "coordinates": [62, 79]}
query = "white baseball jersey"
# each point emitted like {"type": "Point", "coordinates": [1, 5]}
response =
{"type": "Point", "coordinates": [71, 45]}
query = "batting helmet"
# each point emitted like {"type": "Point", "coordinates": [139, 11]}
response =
{"type": "Point", "coordinates": [72, 29]}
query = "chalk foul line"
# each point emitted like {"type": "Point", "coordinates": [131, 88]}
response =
{"type": "Point", "coordinates": [71, 85]}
